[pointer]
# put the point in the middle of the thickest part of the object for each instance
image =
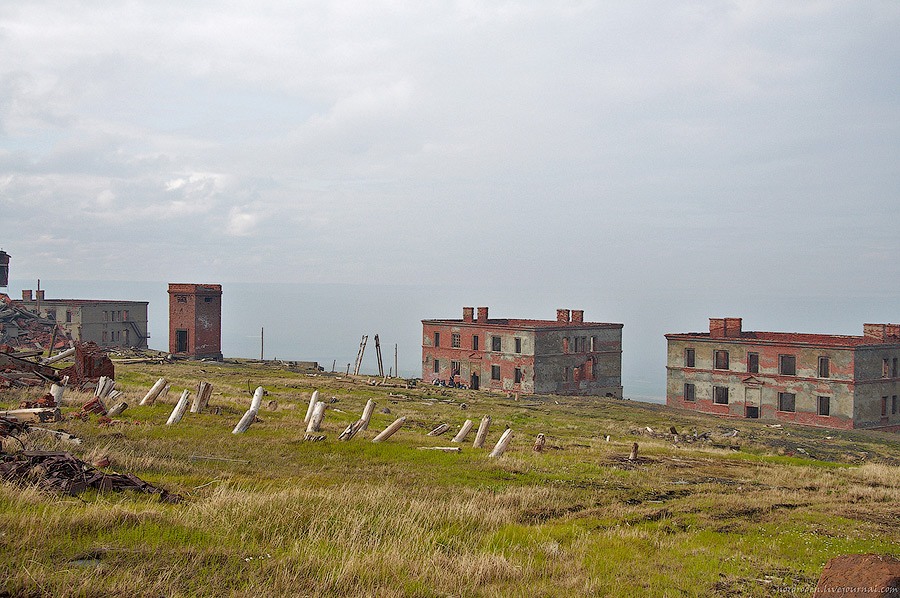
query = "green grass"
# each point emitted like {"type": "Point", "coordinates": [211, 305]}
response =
{"type": "Point", "coordinates": [356, 518]}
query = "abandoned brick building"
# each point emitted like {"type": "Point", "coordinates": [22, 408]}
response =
{"type": "Point", "coordinates": [833, 381]}
{"type": "Point", "coordinates": [4, 269]}
{"type": "Point", "coordinates": [562, 356]}
{"type": "Point", "coordinates": [108, 323]}
{"type": "Point", "coordinates": [195, 320]}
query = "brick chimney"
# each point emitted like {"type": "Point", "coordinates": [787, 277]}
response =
{"type": "Point", "coordinates": [725, 327]}
{"type": "Point", "coordinates": [482, 314]}
{"type": "Point", "coordinates": [468, 314]}
{"type": "Point", "coordinates": [562, 316]}
{"type": "Point", "coordinates": [26, 295]}
{"type": "Point", "coordinates": [578, 316]}
{"type": "Point", "coordinates": [40, 294]}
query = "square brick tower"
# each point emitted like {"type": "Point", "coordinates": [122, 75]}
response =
{"type": "Point", "coordinates": [195, 320]}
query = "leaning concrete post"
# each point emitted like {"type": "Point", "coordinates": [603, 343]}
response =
{"type": "Point", "coordinates": [57, 392]}
{"type": "Point", "coordinates": [389, 431]}
{"type": "Point", "coordinates": [201, 401]}
{"type": "Point", "coordinates": [312, 405]}
{"type": "Point", "coordinates": [634, 451]}
{"type": "Point", "coordinates": [153, 393]}
{"type": "Point", "coordinates": [482, 431]}
{"type": "Point", "coordinates": [463, 432]}
{"type": "Point", "coordinates": [501, 445]}
{"type": "Point", "coordinates": [539, 443]}
{"type": "Point", "coordinates": [256, 402]}
{"type": "Point", "coordinates": [367, 414]}
{"type": "Point", "coordinates": [316, 419]}
{"type": "Point", "coordinates": [245, 422]}
{"type": "Point", "coordinates": [439, 430]}
{"type": "Point", "coordinates": [180, 407]}
{"type": "Point", "coordinates": [117, 409]}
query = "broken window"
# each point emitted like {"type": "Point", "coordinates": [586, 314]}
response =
{"type": "Point", "coordinates": [787, 365]}
{"type": "Point", "coordinates": [721, 360]}
{"type": "Point", "coordinates": [106, 316]}
{"type": "Point", "coordinates": [689, 391]}
{"type": "Point", "coordinates": [517, 375]}
{"type": "Point", "coordinates": [454, 368]}
{"type": "Point", "coordinates": [207, 300]}
{"type": "Point", "coordinates": [753, 363]}
{"type": "Point", "coordinates": [495, 343]}
{"type": "Point", "coordinates": [437, 339]}
{"type": "Point", "coordinates": [824, 368]}
{"type": "Point", "coordinates": [437, 366]}
{"type": "Point", "coordinates": [68, 315]}
{"type": "Point", "coordinates": [495, 372]}
{"type": "Point", "coordinates": [894, 404]}
{"type": "Point", "coordinates": [454, 340]}
{"type": "Point", "coordinates": [884, 367]}
{"type": "Point", "coordinates": [720, 395]}
{"type": "Point", "coordinates": [593, 344]}
{"type": "Point", "coordinates": [181, 298]}
{"type": "Point", "coordinates": [475, 342]}
{"type": "Point", "coordinates": [125, 316]}
{"type": "Point", "coordinates": [105, 336]}
{"type": "Point", "coordinates": [689, 358]}
{"type": "Point", "coordinates": [518, 345]}
{"type": "Point", "coordinates": [894, 369]}
{"type": "Point", "coordinates": [884, 407]}
{"type": "Point", "coordinates": [786, 401]}
{"type": "Point", "coordinates": [565, 343]}
{"type": "Point", "coordinates": [823, 405]}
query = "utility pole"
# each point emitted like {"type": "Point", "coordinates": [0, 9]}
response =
{"type": "Point", "coordinates": [378, 353]}
{"type": "Point", "coordinates": [262, 337]}
{"type": "Point", "coordinates": [396, 369]}
{"type": "Point", "coordinates": [359, 356]}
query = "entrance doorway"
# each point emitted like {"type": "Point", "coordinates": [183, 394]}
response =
{"type": "Point", "coordinates": [181, 341]}
{"type": "Point", "coordinates": [751, 403]}
{"type": "Point", "coordinates": [473, 382]}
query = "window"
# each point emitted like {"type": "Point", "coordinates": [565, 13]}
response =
{"type": "Point", "coordinates": [894, 368]}
{"type": "Point", "coordinates": [884, 367]}
{"type": "Point", "coordinates": [884, 407]}
{"type": "Point", "coordinates": [454, 340]}
{"type": "Point", "coordinates": [689, 358]}
{"type": "Point", "coordinates": [824, 405]}
{"type": "Point", "coordinates": [787, 365]}
{"type": "Point", "coordinates": [720, 395]}
{"type": "Point", "coordinates": [893, 404]}
{"type": "Point", "coordinates": [518, 345]}
{"type": "Point", "coordinates": [689, 392]}
{"type": "Point", "coordinates": [753, 363]}
{"type": "Point", "coordinates": [437, 366]}
{"type": "Point", "coordinates": [475, 342]}
{"type": "Point", "coordinates": [824, 368]}
{"type": "Point", "coordinates": [721, 360]}
{"type": "Point", "coordinates": [495, 343]}
{"type": "Point", "coordinates": [566, 374]}
{"type": "Point", "coordinates": [125, 316]}
{"type": "Point", "coordinates": [495, 372]}
{"type": "Point", "coordinates": [207, 300]}
{"type": "Point", "coordinates": [565, 342]}
{"type": "Point", "coordinates": [437, 339]}
{"type": "Point", "coordinates": [517, 375]}
{"type": "Point", "coordinates": [68, 315]}
{"type": "Point", "coordinates": [786, 401]}
{"type": "Point", "coordinates": [454, 368]}
{"type": "Point", "coordinates": [106, 318]}
{"type": "Point", "coordinates": [181, 298]}
{"type": "Point", "coordinates": [105, 336]}
{"type": "Point", "coordinates": [593, 344]}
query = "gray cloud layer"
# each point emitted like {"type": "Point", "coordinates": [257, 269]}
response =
{"type": "Point", "coordinates": [639, 145]}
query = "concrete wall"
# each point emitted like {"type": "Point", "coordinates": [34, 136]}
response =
{"type": "Point", "coordinates": [568, 361]}
{"type": "Point", "coordinates": [872, 386]}
{"type": "Point", "coordinates": [106, 323]}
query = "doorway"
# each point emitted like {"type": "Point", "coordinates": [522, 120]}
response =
{"type": "Point", "coordinates": [181, 341]}
{"type": "Point", "coordinates": [473, 382]}
{"type": "Point", "coordinates": [751, 403]}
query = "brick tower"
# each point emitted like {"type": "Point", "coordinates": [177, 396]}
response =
{"type": "Point", "coordinates": [195, 320]}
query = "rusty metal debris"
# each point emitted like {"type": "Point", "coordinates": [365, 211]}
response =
{"type": "Point", "coordinates": [63, 472]}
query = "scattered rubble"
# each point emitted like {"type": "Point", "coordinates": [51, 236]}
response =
{"type": "Point", "coordinates": [63, 472]}
{"type": "Point", "coordinates": [91, 363]}
{"type": "Point", "coordinates": [21, 328]}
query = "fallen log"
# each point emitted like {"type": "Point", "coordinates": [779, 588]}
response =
{"type": "Point", "coordinates": [390, 430]}
{"type": "Point", "coordinates": [34, 415]}
{"type": "Point", "coordinates": [463, 431]}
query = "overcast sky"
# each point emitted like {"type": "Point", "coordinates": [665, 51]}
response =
{"type": "Point", "coordinates": [631, 145]}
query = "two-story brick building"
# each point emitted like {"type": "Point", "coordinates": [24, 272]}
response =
{"type": "Point", "coordinates": [835, 381]}
{"type": "Point", "coordinates": [562, 356]}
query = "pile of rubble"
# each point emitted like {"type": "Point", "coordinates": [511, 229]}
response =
{"type": "Point", "coordinates": [21, 328]}
{"type": "Point", "coordinates": [63, 472]}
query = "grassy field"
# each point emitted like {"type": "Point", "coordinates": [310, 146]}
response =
{"type": "Point", "coordinates": [755, 512]}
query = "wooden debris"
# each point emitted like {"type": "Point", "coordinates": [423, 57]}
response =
{"type": "Point", "coordinates": [201, 401]}
{"type": "Point", "coordinates": [482, 432]}
{"type": "Point", "coordinates": [501, 445]}
{"type": "Point", "coordinates": [439, 430]}
{"type": "Point", "coordinates": [34, 415]}
{"type": "Point", "coordinates": [117, 409]}
{"type": "Point", "coordinates": [390, 430]}
{"type": "Point", "coordinates": [463, 431]}
{"type": "Point", "coordinates": [154, 392]}
{"type": "Point", "coordinates": [367, 414]}
{"type": "Point", "coordinates": [351, 430]}
{"type": "Point", "coordinates": [634, 452]}
{"type": "Point", "coordinates": [312, 405]}
{"type": "Point", "coordinates": [180, 407]}
{"type": "Point", "coordinates": [446, 449]}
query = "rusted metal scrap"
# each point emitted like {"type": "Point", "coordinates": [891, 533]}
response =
{"type": "Point", "coordinates": [62, 472]}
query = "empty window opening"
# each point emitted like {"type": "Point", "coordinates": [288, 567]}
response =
{"type": "Point", "coordinates": [518, 345]}
{"type": "Point", "coordinates": [787, 365]}
{"type": "Point", "coordinates": [475, 342]}
{"type": "Point", "coordinates": [720, 395]}
{"type": "Point", "coordinates": [884, 404]}
{"type": "Point", "coordinates": [495, 372]}
{"type": "Point", "coordinates": [496, 343]}
{"type": "Point", "coordinates": [823, 405]}
{"type": "Point", "coordinates": [689, 358]}
{"type": "Point", "coordinates": [517, 375]}
{"type": "Point", "coordinates": [437, 339]}
{"type": "Point", "coordinates": [689, 392]}
{"type": "Point", "coordinates": [786, 401]}
{"type": "Point", "coordinates": [437, 366]}
{"type": "Point", "coordinates": [753, 363]}
{"type": "Point", "coordinates": [721, 360]}
{"type": "Point", "coordinates": [824, 367]}
{"type": "Point", "coordinates": [885, 365]}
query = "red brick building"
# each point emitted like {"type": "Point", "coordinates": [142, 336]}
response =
{"type": "Point", "coordinates": [826, 380]}
{"type": "Point", "coordinates": [562, 356]}
{"type": "Point", "coordinates": [195, 320]}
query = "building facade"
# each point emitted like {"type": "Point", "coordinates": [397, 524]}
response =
{"type": "Point", "coordinates": [195, 320]}
{"type": "Point", "coordinates": [104, 322]}
{"type": "Point", "coordinates": [4, 269]}
{"type": "Point", "coordinates": [834, 381]}
{"type": "Point", "coordinates": [562, 356]}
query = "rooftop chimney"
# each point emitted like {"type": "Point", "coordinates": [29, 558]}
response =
{"type": "Point", "coordinates": [562, 315]}
{"type": "Point", "coordinates": [468, 314]}
{"type": "Point", "coordinates": [725, 327]}
{"type": "Point", "coordinates": [40, 294]}
{"type": "Point", "coordinates": [577, 316]}
{"type": "Point", "coordinates": [26, 295]}
{"type": "Point", "coordinates": [482, 314]}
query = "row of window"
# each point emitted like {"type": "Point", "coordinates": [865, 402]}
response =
{"type": "Point", "coordinates": [787, 401]}
{"type": "Point", "coordinates": [108, 316]}
{"type": "Point", "coordinates": [496, 342]}
{"type": "Point", "coordinates": [787, 364]}
{"type": "Point", "coordinates": [495, 371]}
{"type": "Point", "coordinates": [115, 336]}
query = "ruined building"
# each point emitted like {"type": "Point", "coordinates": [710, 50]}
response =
{"type": "Point", "coordinates": [4, 269]}
{"type": "Point", "coordinates": [104, 322]}
{"type": "Point", "coordinates": [562, 356]}
{"type": "Point", "coordinates": [816, 379]}
{"type": "Point", "coordinates": [195, 320]}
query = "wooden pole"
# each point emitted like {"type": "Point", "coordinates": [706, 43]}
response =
{"type": "Point", "coordinates": [312, 405]}
{"type": "Point", "coordinates": [117, 409]}
{"type": "Point", "coordinates": [153, 393]}
{"type": "Point", "coordinates": [501, 445]}
{"type": "Point", "coordinates": [262, 337]}
{"type": "Point", "coordinates": [316, 420]}
{"type": "Point", "coordinates": [482, 431]}
{"type": "Point", "coordinates": [389, 431]}
{"type": "Point", "coordinates": [378, 354]}
{"type": "Point", "coordinates": [180, 407]}
{"type": "Point", "coordinates": [201, 401]}
{"type": "Point", "coordinates": [257, 398]}
{"type": "Point", "coordinates": [396, 367]}
{"type": "Point", "coordinates": [245, 422]}
{"type": "Point", "coordinates": [351, 430]}
{"type": "Point", "coordinates": [463, 431]}
{"type": "Point", "coordinates": [439, 430]}
{"type": "Point", "coordinates": [359, 356]}
{"type": "Point", "coordinates": [367, 414]}
{"type": "Point", "coordinates": [59, 356]}
{"type": "Point", "coordinates": [446, 449]}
